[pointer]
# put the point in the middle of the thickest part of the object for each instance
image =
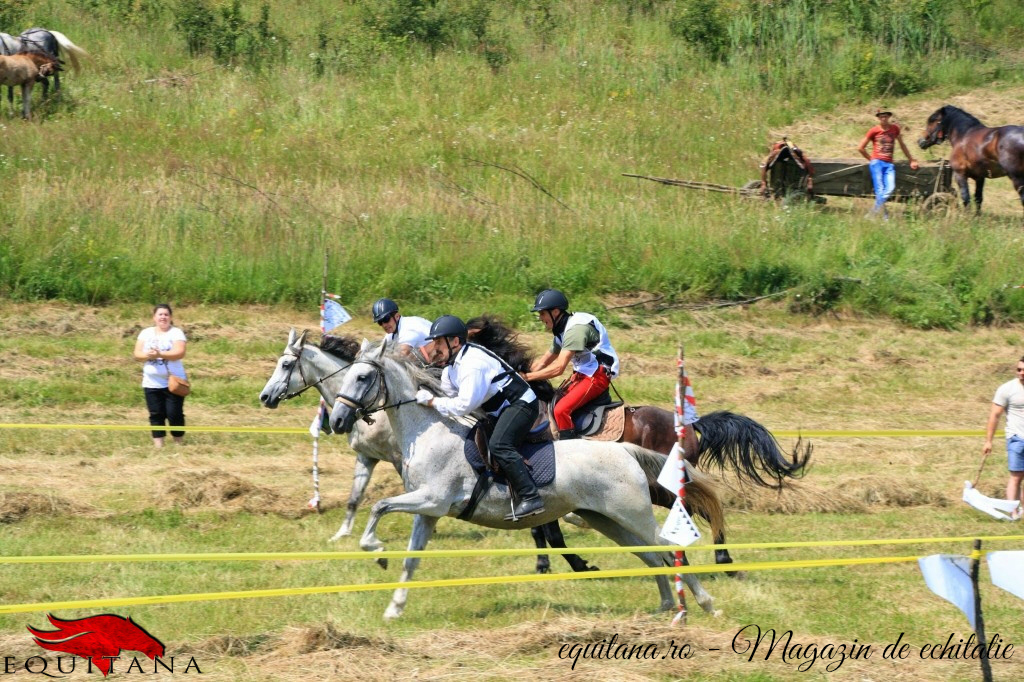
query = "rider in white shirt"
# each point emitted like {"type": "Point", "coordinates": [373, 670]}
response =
{"type": "Point", "coordinates": [475, 378]}
{"type": "Point", "coordinates": [409, 333]}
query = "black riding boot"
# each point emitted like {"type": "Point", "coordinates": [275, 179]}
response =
{"type": "Point", "coordinates": [525, 491]}
{"type": "Point", "coordinates": [567, 434]}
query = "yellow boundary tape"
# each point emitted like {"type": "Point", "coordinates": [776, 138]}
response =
{"type": "Point", "coordinates": [455, 582]}
{"type": "Point", "coordinates": [462, 553]}
{"type": "Point", "coordinates": [840, 433]}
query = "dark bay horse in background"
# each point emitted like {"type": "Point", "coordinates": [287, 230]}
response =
{"type": "Point", "coordinates": [727, 440]}
{"type": "Point", "coordinates": [978, 152]}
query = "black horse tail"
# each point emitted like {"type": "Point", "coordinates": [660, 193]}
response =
{"type": "Point", "coordinates": [744, 445]}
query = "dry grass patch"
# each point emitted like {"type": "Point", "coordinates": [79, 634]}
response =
{"type": "Point", "coordinates": [220, 490]}
{"type": "Point", "coordinates": [18, 506]}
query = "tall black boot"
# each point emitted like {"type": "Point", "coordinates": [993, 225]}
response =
{"type": "Point", "coordinates": [526, 491]}
{"type": "Point", "coordinates": [567, 434]}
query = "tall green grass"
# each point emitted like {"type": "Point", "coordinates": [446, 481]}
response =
{"type": "Point", "coordinates": [433, 174]}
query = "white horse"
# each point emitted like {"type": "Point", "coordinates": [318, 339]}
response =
{"type": "Point", "coordinates": [605, 483]}
{"type": "Point", "coordinates": [301, 367]}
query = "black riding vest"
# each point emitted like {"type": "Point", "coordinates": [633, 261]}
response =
{"type": "Point", "coordinates": [512, 391]}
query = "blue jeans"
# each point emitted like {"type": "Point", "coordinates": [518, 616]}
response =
{"type": "Point", "coordinates": [883, 177]}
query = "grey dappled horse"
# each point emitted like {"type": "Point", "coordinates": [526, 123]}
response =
{"type": "Point", "coordinates": [303, 366]}
{"type": "Point", "coordinates": [604, 483]}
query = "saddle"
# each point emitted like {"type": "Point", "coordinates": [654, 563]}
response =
{"type": "Point", "coordinates": [539, 458]}
{"type": "Point", "coordinates": [600, 419]}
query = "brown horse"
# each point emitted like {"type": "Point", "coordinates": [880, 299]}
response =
{"type": "Point", "coordinates": [727, 440]}
{"type": "Point", "coordinates": [978, 152]}
{"type": "Point", "coordinates": [24, 70]}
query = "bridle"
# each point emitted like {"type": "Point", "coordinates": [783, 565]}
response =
{"type": "Point", "coordinates": [364, 408]}
{"type": "Point", "coordinates": [306, 385]}
{"type": "Point", "coordinates": [937, 136]}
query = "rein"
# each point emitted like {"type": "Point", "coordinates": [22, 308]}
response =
{"type": "Point", "coordinates": [305, 384]}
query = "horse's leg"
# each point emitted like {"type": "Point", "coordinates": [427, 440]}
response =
{"type": "Point", "coordinates": [540, 542]}
{"type": "Point", "coordinates": [965, 191]}
{"type": "Point", "coordinates": [360, 479]}
{"type": "Point", "coordinates": [421, 501]}
{"type": "Point", "coordinates": [627, 533]}
{"type": "Point", "coordinates": [553, 533]}
{"type": "Point", "coordinates": [26, 99]}
{"type": "Point", "coordinates": [422, 530]}
{"type": "Point", "coordinates": [979, 188]}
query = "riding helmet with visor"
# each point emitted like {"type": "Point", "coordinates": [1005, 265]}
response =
{"type": "Point", "coordinates": [448, 325]}
{"type": "Point", "coordinates": [383, 309]}
{"type": "Point", "coordinates": [550, 299]}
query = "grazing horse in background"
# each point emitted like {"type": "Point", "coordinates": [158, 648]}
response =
{"type": "Point", "coordinates": [24, 70]}
{"type": "Point", "coordinates": [303, 366]}
{"type": "Point", "coordinates": [978, 152]}
{"type": "Point", "coordinates": [43, 41]}
{"type": "Point", "coordinates": [604, 483]}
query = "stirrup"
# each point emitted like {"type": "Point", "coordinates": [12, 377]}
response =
{"type": "Point", "coordinates": [527, 507]}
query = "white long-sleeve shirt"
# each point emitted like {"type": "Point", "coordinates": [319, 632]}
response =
{"type": "Point", "coordinates": [469, 383]}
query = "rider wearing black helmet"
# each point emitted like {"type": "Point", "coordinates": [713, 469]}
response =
{"type": "Point", "coordinates": [410, 333]}
{"type": "Point", "coordinates": [581, 339]}
{"type": "Point", "coordinates": [474, 377]}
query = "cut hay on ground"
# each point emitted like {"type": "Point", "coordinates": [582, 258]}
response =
{"type": "Point", "coordinates": [220, 490]}
{"type": "Point", "coordinates": [15, 506]}
{"type": "Point", "coordinates": [857, 496]}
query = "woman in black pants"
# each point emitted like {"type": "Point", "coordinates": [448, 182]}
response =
{"type": "Point", "coordinates": [161, 348]}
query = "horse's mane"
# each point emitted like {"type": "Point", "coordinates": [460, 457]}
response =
{"type": "Point", "coordinates": [344, 347]}
{"type": "Point", "coordinates": [422, 376]}
{"type": "Point", "coordinates": [491, 332]}
{"type": "Point", "coordinates": [955, 119]}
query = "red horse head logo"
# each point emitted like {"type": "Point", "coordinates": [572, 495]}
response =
{"type": "Point", "coordinates": [98, 638]}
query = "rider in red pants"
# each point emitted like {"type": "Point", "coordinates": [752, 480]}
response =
{"type": "Point", "coordinates": [581, 339]}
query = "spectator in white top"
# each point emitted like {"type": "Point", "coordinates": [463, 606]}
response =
{"type": "Point", "coordinates": [161, 348]}
{"type": "Point", "coordinates": [410, 333]}
{"type": "Point", "coordinates": [1009, 400]}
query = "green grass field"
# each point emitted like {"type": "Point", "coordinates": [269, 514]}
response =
{"type": "Point", "coordinates": [459, 156]}
{"type": "Point", "coordinates": [96, 492]}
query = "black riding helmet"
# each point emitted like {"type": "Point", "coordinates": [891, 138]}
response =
{"type": "Point", "coordinates": [383, 309]}
{"type": "Point", "coordinates": [550, 299]}
{"type": "Point", "coordinates": [448, 325]}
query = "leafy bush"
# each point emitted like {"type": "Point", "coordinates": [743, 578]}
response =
{"type": "Point", "coordinates": [701, 23]}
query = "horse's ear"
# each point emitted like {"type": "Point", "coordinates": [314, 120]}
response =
{"type": "Point", "coordinates": [302, 337]}
{"type": "Point", "coordinates": [380, 351]}
{"type": "Point", "coordinates": [364, 345]}
{"type": "Point", "coordinates": [291, 337]}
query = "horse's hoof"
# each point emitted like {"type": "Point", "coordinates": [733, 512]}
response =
{"type": "Point", "coordinates": [542, 570]}
{"type": "Point", "coordinates": [593, 568]}
{"type": "Point", "coordinates": [383, 563]}
{"type": "Point", "coordinates": [717, 613]}
{"type": "Point", "coordinates": [392, 612]}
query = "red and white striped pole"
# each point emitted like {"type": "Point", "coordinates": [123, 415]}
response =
{"type": "Point", "coordinates": [683, 392]}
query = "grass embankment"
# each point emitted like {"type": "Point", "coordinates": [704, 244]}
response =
{"type": "Point", "coordinates": [464, 178]}
{"type": "Point", "coordinates": [106, 492]}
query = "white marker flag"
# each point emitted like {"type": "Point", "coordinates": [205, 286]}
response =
{"type": "Point", "coordinates": [669, 476]}
{"type": "Point", "coordinates": [334, 315]}
{"type": "Point", "coordinates": [990, 505]}
{"type": "Point", "coordinates": [949, 576]}
{"type": "Point", "coordinates": [1007, 570]}
{"type": "Point", "coordinates": [679, 528]}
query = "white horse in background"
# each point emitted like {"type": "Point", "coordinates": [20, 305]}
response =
{"type": "Point", "coordinates": [303, 366]}
{"type": "Point", "coordinates": [604, 483]}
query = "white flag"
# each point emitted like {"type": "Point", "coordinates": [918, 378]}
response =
{"type": "Point", "coordinates": [990, 505]}
{"type": "Point", "coordinates": [949, 576]}
{"type": "Point", "coordinates": [334, 315]}
{"type": "Point", "coordinates": [679, 528]}
{"type": "Point", "coordinates": [669, 476]}
{"type": "Point", "coordinates": [1007, 569]}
